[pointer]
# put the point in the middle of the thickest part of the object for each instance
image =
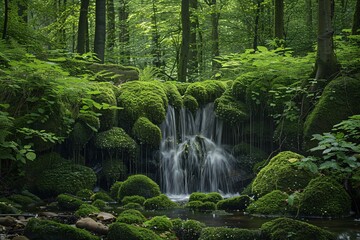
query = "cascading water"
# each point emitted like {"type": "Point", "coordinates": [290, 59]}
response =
{"type": "Point", "coordinates": [195, 160]}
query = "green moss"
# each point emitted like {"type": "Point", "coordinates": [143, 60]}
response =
{"type": "Point", "coordinates": [100, 204]}
{"type": "Point", "coordinates": [234, 203]}
{"type": "Point", "coordinates": [201, 206]}
{"type": "Point", "coordinates": [139, 185]}
{"type": "Point", "coordinates": [281, 174]}
{"type": "Point", "coordinates": [102, 196]}
{"type": "Point", "coordinates": [131, 216]}
{"type": "Point", "coordinates": [231, 110]}
{"type": "Point", "coordinates": [247, 156]}
{"type": "Point", "coordinates": [112, 171]}
{"type": "Point", "coordinates": [81, 134]}
{"type": "Point", "coordinates": [117, 140]}
{"type": "Point", "coordinates": [206, 91]}
{"type": "Point", "coordinates": [190, 103]}
{"type": "Point", "coordinates": [289, 133]}
{"type": "Point", "coordinates": [323, 196]}
{"type": "Point", "coordinates": [50, 230]}
{"type": "Point", "coordinates": [7, 208]}
{"type": "Point", "coordinates": [90, 120]}
{"type": "Point", "coordinates": [159, 202]}
{"type": "Point", "coordinates": [219, 233]}
{"type": "Point", "coordinates": [84, 194]}
{"type": "Point", "coordinates": [197, 196]}
{"type": "Point", "coordinates": [115, 190]}
{"type": "Point", "coordinates": [173, 94]}
{"type": "Point", "coordinates": [122, 231]}
{"type": "Point", "coordinates": [273, 203]}
{"type": "Point", "coordinates": [135, 206]}
{"type": "Point", "coordinates": [86, 210]}
{"type": "Point", "coordinates": [22, 200]}
{"type": "Point", "coordinates": [159, 224]}
{"type": "Point", "coordinates": [285, 228]}
{"type": "Point", "coordinates": [187, 230]}
{"type": "Point", "coordinates": [205, 197]}
{"type": "Point", "coordinates": [146, 132]}
{"type": "Point", "coordinates": [182, 86]}
{"type": "Point", "coordinates": [65, 178]}
{"type": "Point", "coordinates": [133, 199]}
{"type": "Point", "coordinates": [68, 202]}
{"type": "Point", "coordinates": [142, 99]}
{"type": "Point", "coordinates": [339, 100]}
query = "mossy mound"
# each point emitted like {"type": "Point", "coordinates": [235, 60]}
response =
{"type": "Point", "coordinates": [159, 202]}
{"type": "Point", "coordinates": [159, 224]}
{"type": "Point", "coordinates": [142, 99]}
{"type": "Point", "coordinates": [135, 206]}
{"type": "Point", "coordinates": [219, 233]}
{"type": "Point", "coordinates": [131, 216]}
{"type": "Point", "coordinates": [323, 196]}
{"type": "Point", "coordinates": [8, 208]}
{"type": "Point", "coordinates": [100, 204]}
{"type": "Point", "coordinates": [173, 94]}
{"type": "Point", "coordinates": [273, 203]}
{"type": "Point", "coordinates": [116, 140]}
{"type": "Point", "coordinates": [133, 199]}
{"type": "Point", "coordinates": [84, 194]}
{"type": "Point", "coordinates": [86, 210]}
{"type": "Point", "coordinates": [339, 100]}
{"type": "Point", "coordinates": [281, 174]}
{"type": "Point", "coordinates": [146, 132]}
{"type": "Point", "coordinates": [68, 202]}
{"type": "Point", "coordinates": [187, 230]}
{"type": "Point", "coordinates": [50, 230]}
{"type": "Point", "coordinates": [190, 103]}
{"type": "Point", "coordinates": [23, 200]}
{"type": "Point", "coordinates": [230, 109]}
{"type": "Point", "coordinates": [206, 91]}
{"type": "Point", "coordinates": [102, 196]}
{"type": "Point", "coordinates": [205, 197]}
{"type": "Point", "coordinates": [139, 185]}
{"type": "Point", "coordinates": [234, 203]}
{"type": "Point", "coordinates": [115, 190]}
{"type": "Point", "coordinates": [123, 231]}
{"type": "Point", "coordinates": [201, 206]}
{"type": "Point", "coordinates": [65, 178]}
{"type": "Point", "coordinates": [285, 228]}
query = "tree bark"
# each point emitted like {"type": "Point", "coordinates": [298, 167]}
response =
{"type": "Point", "coordinates": [279, 19]}
{"type": "Point", "coordinates": [110, 25]}
{"type": "Point", "coordinates": [184, 49]}
{"type": "Point", "coordinates": [124, 36]}
{"type": "Point", "coordinates": [256, 30]}
{"type": "Point", "coordinates": [156, 48]}
{"type": "Point", "coordinates": [327, 65]}
{"type": "Point", "coordinates": [6, 19]}
{"type": "Point", "coordinates": [193, 46]}
{"type": "Point", "coordinates": [83, 37]}
{"type": "Point", "coordinates": [215, 15]}
{"type": "Point", "coordinates": [100, 29]}
{"type": "Point", "coordinates": [356, 22]}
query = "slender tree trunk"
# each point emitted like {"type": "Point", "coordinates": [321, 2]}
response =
{"type": "Point", "coordinates": [184, 49]}
{"type": "Point", "coordinates": [22, 10]}
{"type": "Point", "coordinates": [6, 19]}
{"type": "Point", "coordinates": [309, 16]}
{"type": "Point", "coordinates": [256, 30]}
{"type": "Point", "coordinates": [356, 22]}
{"type": "Point", "coordinates": [215, 15]}
{"type": "Point", "coordinates": [279, 19]}
{"type": "Point", "coordinates": [124, 36]}
{"type": "Point", "coordinates": [100, 29]}
{"type": "Point", "coordinates": [156, 48]}
{"type": "Point", "coordinates": [193, 46]}
{"type": "Point", "coordinates": [110, 25]}
{"type": "Point", "coordinates": [83, 37]}
{"type": "Point", "coordinates": [327, 65]}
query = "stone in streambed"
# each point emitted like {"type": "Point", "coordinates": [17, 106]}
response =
{"type": "Point", "coordinates": [92, 226]}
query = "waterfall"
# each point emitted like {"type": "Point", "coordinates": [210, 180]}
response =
{"type": "Point", "coordinates": [194, 160]}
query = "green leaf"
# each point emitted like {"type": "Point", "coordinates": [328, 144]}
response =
{"type": "Point", "coordinates": [30, 156]}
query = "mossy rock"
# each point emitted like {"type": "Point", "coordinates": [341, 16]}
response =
{"type": "Point", "coordinates": [23, 200]}
{"type": "Point", "coordinates": [65, 178]}
{"type": "Point", "coordinates": [86, 210]}
{"type": "Point", "coordinates": [8, 208]}
{"type": "Point", "coordinates": [115, 190]}
{"type": "Point", "coordinates": [205, 197]}
{"type": "Point", "coordinates": [135, 206]}
{"type": "Point", "coordinates": [68, 202]}
{"type": "Point", "coordinates": [102, 196]}
{"type": "Point", "coordinates": [197, 196]}
{"type": "Point", "coordinates": [286, 228]}
{"type": "Point", "coordinates": [100, 204]}
{"type": "Point", "coordinates": [131, 216]}
{"type": "Point", "coordinates": [159, 202]}
{"type": "Point", "coordinates": [146, 132]}
{"type": "Point", "coordinates": [84, 194]}
{"type": "Point", "coordinates": [173, 94]}
{"type": "Point", "coordinates": [133, 199]}
{"type": "Point", "coordinates": [234, 203]}
{"type": "Point", "coordinates": [50, 230]}
{"type": "Point", "coordinates": [159, 224]}
{"type": "Point", "coordinates": [219, 233]}
{"type": "Point", "coordinates": [187, 230]}
{"type": "Point", "coordinates": [139, 185]}
{"type": "Point", "coordinates": [206, 91]}
{"type": "Point", "coordinates": [182, 86]}
{"type": "Point", "coordinates": [142, 99]}
{"type": "Point", "coordinates": [281, 174]}
{"type": "Point", "coordinates": [339, 100]}
{"type": "Point", "coordinates": [323, 196]}
{"type": "Point", "coordinates": [123, 231]}
{"type": "Point", "coordinates": [116, 140]}
{"type": "Point", "coordinates": [231, 110]}
{"type": "Point", "coordinates": [81, 134]}
{"type": "Point", "coordinates": [190, 103]}
{"type": "Point", "coordinates": [201, 206]}
{"type": "Point", "coordinates": [115, 73]}
{"type": "Point", "coordinates": [273, 203]}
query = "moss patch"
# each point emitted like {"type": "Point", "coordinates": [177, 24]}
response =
{"type": "Point", "coordinates": [159, 224]}
{"type": "Point", "coordinates": [159, 202]}
{"type": "Point", "coordinates": [86, 210]}
{"type": "Point", "coordinates": [219, 233]}
{"type": "Point", "coordinates": [139, 185]}
{"type": "Point", "coordinates": [118, 231]}
{"type": "Point", "coordinates": [146, 132]}
{"type": "Point", "coordinates": [273, 203]}
{"type": "Point", "coordinates": [234, 203]}
{"type": "Point", "coordinates": [131, 216]}
{"type": "Point", "coordinates": [68, 202]}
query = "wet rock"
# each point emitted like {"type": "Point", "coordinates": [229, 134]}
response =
{"type": "Point", "coordinates": [8, 221]}
{"type": "Point", "coordinates": [92, 226]}
{"type": "Point", "coordinates": [103, 216]}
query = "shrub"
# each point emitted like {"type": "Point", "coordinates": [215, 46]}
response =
{"type": "Point", "coordinates": [86, 210]}
{"type": "Point", "coordinates": [159, 202]}
{"type": "Point", "coordinates": [133, 199]}
{"type": "Point", "coordinates": [173, 94]}
{"type": "Point", "coordinates": [139, 185]}
{"type": "Point", "coordinates": [197, 196]}
{"type": "Point", "coordinates": [274, 202]}
{"type": "Point", "coordinates": [102, 196]}
{"type": "Point", "coordinates": [234, 203]}
{"type": "Point", "coordinates": [213, 197]}
{"type": "Point", "coordinates": [133, 206]}
{"type": "Point", "coordinates": [84, 194]}
{"type": "Point", "coordinates": [122, 231]}
{"type": "Point", "coordinates": [159, 224]}
{"type": "Point", "coordinates": [68, 202]}
{"type": "Point", "coordinates": [131, 216]}
{"type": "Point", "coordinates": [219, 233]}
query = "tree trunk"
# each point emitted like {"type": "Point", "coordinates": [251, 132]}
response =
{"type": "Point", "coordinates": [83, 37]}
{"type": "Point", "coordinates": [279, 19]}
{"type": "Point", "coordinates": [22, 10]}
{"type": "Point", "coordinates": [215, 15]}
{"type": "Point", "coordinates": [356, 22]}
{"type": "Point", "coordinates": [100, 29]}
{"type": "Point", "coordinates": [193, 46]}
{"type": "Point", "coordinates": [6, 19]}
{"type": "Point", "coordinates": [327, 65]}
{"type": "Point", "coordinates": [256, 30]}
{"type": "Point", "coordinates": [184, 49]}
{"type": "Point", "coordinates": [309, 17]}
{"type": "Point", "coordinates": [124, 36]}
{"type": "Point", "coordinates": [110, 25]}
{"type": "Point", "coordinates": [156, 48]}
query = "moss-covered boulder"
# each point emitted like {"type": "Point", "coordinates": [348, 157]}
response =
{"type": "Point", "coordinates": [133, 199]}
{"type": "Point", "coordinates": [100, 204]}
{"type": "Point", "coordinates": [50, 230]}
{"type": "Point", "coordinates": [219, 233]}
{"type": "Point", "coordinates": [84, 194]}
{"type": "Point", "coordinates": [201, 206]}
{"type": "Point", "coordinates": [65, 178]}
{"type": "Point", "coordinates": [339, 100]}
{"type": "Point", "coordinates": [135, 206]}
{"type": "Point", "coordinates": [24, 200]}
{"type": "Point", "coordinates": [123, 231]}
{"type": "Point", "coordinates": [68, 202]}
{"type": "Point", "coordinates": [131, 216]}
{"type": "Point", "coordinates": [285, 228]}
{"type": "Point", "coordinates": [187, 230]}
{"type": "Point", "coordinates": [173, 94]}
{"type": "Point", "coordinates": [86, 210]}
{"type": "Point", "coordinates": [273, 203]}
{"type": "Point", "coordinates": [139, 185]}
{"type": "Point", "coordinates": [206, 91]}
{"type": "Point", "coordinates": [102, 196]}
{"type": "Point", "coordinates": [8, 208]}
{"type": "Point", "coordinates": [159, 202]}
{"type": "Point", "coordinates": [146, 132]}
{"type": "Point", "coordinates": [115, 190]}
{"type": "Point", "coordinates": [234, 203]}
{"type": "Point", "coordinates": [190, 103]}
{"type": "Point", "coordinates": [159, 224]}
{"type": "Point", "coordinates": [281, 174]}
{"type": "Point", "coordinates": [323, 196]}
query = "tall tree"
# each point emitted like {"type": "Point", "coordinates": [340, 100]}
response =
{"type": "Point", "coordinates": [83, 37]}
{"type": "Point", "coordinates": [193, 46]}
{"type": "Point", "coordinates": [156, 48]}
{"type": "Point", "coordinates": [256, 30]}
{"type": "Point", "coordinates": [6, 19]}
{"type": "Point", "coordinates": [185, 40]}
{"type": "Point", "coordinates": [356, 22]}
{"type": "Point", "coordinates": [279, 19]}
{"type": "Point", "coordinates": [110, 28]}
{"type": "Point", "coordinates": [124, 36]}
{"type": "Point", "coordinates": [215, 15]}
{"type": "Point", "coordinates": [326, 63]}
{"type": "Point", "coordinates": [100, 29]}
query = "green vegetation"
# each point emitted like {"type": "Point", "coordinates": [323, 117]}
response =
{"type": "Point", "coordinates": [201, 206]}
{"type": "Point", "coordinates": [205, 197]}
{"type": "Point", "coordinates": [84, 194]}
{"type": "Point", "coordinates": [119, 231]}
{"type": "Point", "coordinates": [102, 196]}
{"type": "Point", "coordinates": [68, 202]}
{"type": "Point", "coordinates": [140, 185]}
{"type": "Point", "coordinates": [131, 216]}
{"type": "Point", "coordinates": [218, 233]}
{"type": "Point", "coordinates": [187, 230]}
{"type": "Point", "coordinates": [86, 210]}
{"type": "Point", "coordinates": [7, 208]}
{"type": "Point", "coordinates": [133, 199]}
{"type": "Point", "coordinates": [146, 132]}
{"type": "Point", "coordinates": [159, 224]}
{"type": "Point", "coordinates": [159, 202]}
{"type": "Point", "coordinates": [273, 203]}
{"type": "Point", "coordinates": [234, 203]}
{"type": "Point", "coordinates": [115, 190]}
